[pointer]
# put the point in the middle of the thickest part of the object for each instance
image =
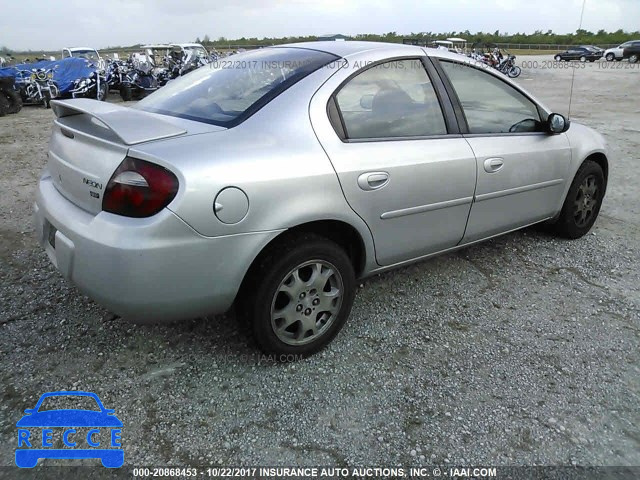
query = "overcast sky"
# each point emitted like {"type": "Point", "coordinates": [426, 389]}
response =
{"type": "Point", "coordinates": [52, 24]}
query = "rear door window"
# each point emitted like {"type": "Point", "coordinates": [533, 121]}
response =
{"type": "Point", "coordinates": [390, 100]}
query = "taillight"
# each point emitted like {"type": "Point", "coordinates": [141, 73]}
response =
{"type": "Point", "coordinates": [139, 189]}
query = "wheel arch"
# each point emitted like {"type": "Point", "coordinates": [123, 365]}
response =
{"type": "Point", "coordinates": [601, 159]}
{"type": "Point", "coordinates": [338, 231]}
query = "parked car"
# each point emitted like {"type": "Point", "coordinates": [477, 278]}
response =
{"type": "Point", "coordinates": [616, 53]}
{"type": "Point", "coordinates": [273, 186]}
{"type": "Point", "coordinates": [632, 52]}
{"type": "Point", "coordinates": [599, 51]}
{"type": "Point", "coordinates": [582, 54]}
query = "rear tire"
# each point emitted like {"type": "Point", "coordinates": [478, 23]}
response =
{"type": "Point", "coordinates": [298, 296]}
{"type": "Point", "coordinates": [634, 58]}
{"type": "Point", "coordinates": [583, 59]}
{"type": "Point", "coordinates": [582, 205]}
{"type": "Point", "coordinates": [4, 105]}
{"type": "Point", "coordinates": [557, 58]}
{"type": "Point", "coordinates": [15, 101]}
{"type": "Point", "coordinates": [126, 93]}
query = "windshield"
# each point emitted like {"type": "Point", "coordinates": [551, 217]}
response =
{"type": "Point", "coordinates": [227, 92]}
{"type": "Point", "coordinates": [88, 54]}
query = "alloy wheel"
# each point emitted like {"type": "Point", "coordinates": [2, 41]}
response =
{"type": "Point", "coordinates": [586, 201]}
{"type": "Point", "coordinates": [307, 302]}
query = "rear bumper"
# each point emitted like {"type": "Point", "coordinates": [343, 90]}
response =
{"type": "Point", "coordinates": [145, 269]}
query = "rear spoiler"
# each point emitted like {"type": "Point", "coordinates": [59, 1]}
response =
{"type": "Point", "coordinates": [131, 126]}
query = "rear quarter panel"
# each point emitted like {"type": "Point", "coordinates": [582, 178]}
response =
{"type": "Point", "coordinates": [274, 157]}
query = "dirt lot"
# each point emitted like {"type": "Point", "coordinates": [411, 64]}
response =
{"type": "Point", "coordinates": [523, 350]}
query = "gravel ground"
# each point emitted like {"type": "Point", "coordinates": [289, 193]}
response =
{"type": "Point", "coordinates": [522, 350]}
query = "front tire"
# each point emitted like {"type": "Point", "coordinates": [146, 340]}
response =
{"type": "Point", "coordinates": [514, 72]}
{"type": "Point", "coordinates": [557, 58]}
{"type": "Point", "coordinates": [46, 99]}
{"type": "Point", "coordinates": [610, 57]}
{"type": "Point", "coordinates": [103, 91]}
{"type": "Point", "coordinates": [582, 205]}
{"type": "Point", "coordinates": [298, 296]}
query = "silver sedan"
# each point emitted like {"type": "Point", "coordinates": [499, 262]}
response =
{"type": "Point", "coordinates": [273, 179]}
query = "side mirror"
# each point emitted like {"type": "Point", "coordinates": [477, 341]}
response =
{"type": "Point", "coordinates": [557, 123]}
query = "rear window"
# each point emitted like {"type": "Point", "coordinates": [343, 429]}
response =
{"type": "Point", "coordinates": [230, 90]}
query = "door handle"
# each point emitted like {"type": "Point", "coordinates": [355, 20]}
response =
{"type": "Point", "coordinates": [373, 180]}
{"type": "Point", "coordinates": [492, 165]}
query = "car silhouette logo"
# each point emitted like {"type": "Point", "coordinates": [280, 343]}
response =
{"type": "Point", "coordinates": [74, 422]}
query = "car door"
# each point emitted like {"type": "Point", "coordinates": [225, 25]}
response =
{"type": "Point", "coordinates": [401, 166]}
{"type": "Point", "coordinates": [574, 54]}
{"type": "Point", "coordinates": [522, 169]}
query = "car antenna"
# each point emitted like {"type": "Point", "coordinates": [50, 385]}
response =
{"type": "Point", "coordinates": [573, 74]}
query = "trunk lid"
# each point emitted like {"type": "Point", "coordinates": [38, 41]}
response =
{"type": "Point", "coordinates": [90, 139]}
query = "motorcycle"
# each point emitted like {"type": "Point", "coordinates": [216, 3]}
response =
{"type": "Point", "coordinates": [93, 86]}
{"type": "Point", "coordinates": [116, 72]}
{"type": "Point", "coordinates": [138, 82]}
{"type": "Point", "coordinates": [179, 63]}
{"type": "Point", "coordinates": [37, 86]}
{"type": "Point", "coordinates": [508, 67]}
{"type": "Point", "coordinates": [163, 75]}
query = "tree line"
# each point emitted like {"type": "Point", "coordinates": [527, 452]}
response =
{"type": "Point", "coordinates": [580, 37]}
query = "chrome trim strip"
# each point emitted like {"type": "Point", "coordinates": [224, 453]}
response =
{"type": "Point", "coordinates": [513, 191]}
{"type": "Point", "coordinates": [426, 208]}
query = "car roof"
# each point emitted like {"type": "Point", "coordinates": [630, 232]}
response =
{"type": "Point", "coordinates": [345, 48]}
